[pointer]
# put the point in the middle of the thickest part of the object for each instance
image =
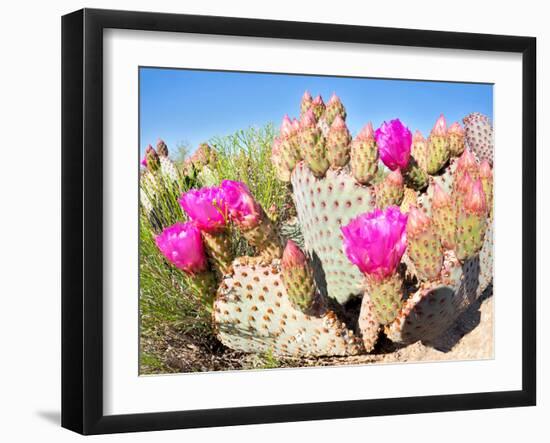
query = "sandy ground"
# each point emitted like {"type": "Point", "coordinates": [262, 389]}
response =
{"type": "Point", "coordinates": [471, 338]}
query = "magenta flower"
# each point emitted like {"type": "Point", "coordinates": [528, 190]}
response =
{"type": "Point", "coordinates": [376, 241]}
{"type": "Point", "coordinates": [394, 144]}
{"type": "Point", "coordinates": [182, 246]}
{"type": "Point", "coordinates": [244, 211]}
{"type": "Point", "coordinates": [206, 207]}
{"type": "Point", "coordinates": [144, 161]}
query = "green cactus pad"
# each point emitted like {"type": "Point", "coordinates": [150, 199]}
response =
{"type": "Point", "coordinates": [338, 147]}
{"type": "Point", "coordinates": [323, 205]}
{"type": "Point", "coordinates": [425, 251]}
{"type": "Point", "coordinates": [300, 286]}
{"type": "Point", "coordinates": [410, 197]}
{"type": "Point", "coordinates": [252, 313]}
{"type": "Point", "coordinates": [456, 144]}
{"type": "Point", "coordinates": [264, 238]}
{"type": "Point", "coordinates": [218, 249]}
{"type": "Point", "coordinates": [438, 153]}
{"type": "Point", "coordinates": [444, 220]}
{"type": "Point", "coordinates": [388, 194]}
{"type": "Point", "coordinates": [479, 136]}
{"type": "Point", "coordinates": [368, 324]}
{"type": "Point", "coordinates": [470, 233]}
{"type": "Point", "coordinates": [444, 179]}
{"type": "Point", "coordinates": [386, 297]}
{"type": "Point", "coordinates": [364, 160]}
{"type": "Point", "coordinates": [415, 177]}
{"type": "Point", "coordinates": [435, 306]}
{"type": "Point", "coordinates": [316, 158]}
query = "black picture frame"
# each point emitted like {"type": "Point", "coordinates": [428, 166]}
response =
{"type": "Point", "coordinates": [82, 219]}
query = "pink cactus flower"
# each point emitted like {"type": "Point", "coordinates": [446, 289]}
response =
{"type": "Point", "coordinates": [475, 201]}
{"type": "Point", "coordinates": [293, 256]}
{"type": "Point", "coordinates": [206, 207]}
{"type": "Point", "coordinates": [394, 144]}
{"type": "Point", "coordinates": [182, 246]}
{"type": "Point", "coordinates": [243, 210]}
{"type": "Point", "coordinates": [440, 127]}
{"type": "Point", "coordinates": [456, 129]}
{"type": "Point", "coordinates": [376, 241]}
{"type": "Point", "coordinates": [144, 161]}
{"type": "Point", "coordinates": [367, 133]}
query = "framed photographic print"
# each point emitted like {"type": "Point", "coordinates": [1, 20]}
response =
{"type": "Point", "coordinates": [269, 221]}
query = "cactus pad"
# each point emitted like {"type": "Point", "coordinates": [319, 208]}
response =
{"type": "Point", "coordinates": [434, 307]}
{"type": "Point", "coordinates": [252, 313]}
{"type": "Point", "coordinates": [323, 205]}
{"type": "Point", "coordinates": [479, 135]}
{"type": "Point", "coordinates": [386, 297]}
{"type": "Point", "coordinates": [438, 153]}
{"type": "Point", "coordinates": [368, 323]}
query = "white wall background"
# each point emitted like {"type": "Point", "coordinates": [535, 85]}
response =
{"type": "Point", "coordinates": [30, 217]}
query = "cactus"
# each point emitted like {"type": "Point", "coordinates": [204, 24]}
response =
{"type": "Point", "coordinates": [471, 222]}
{"type": "Point", "coordinates": [338, 143]}
{"type": "Point", "coordinates": [424, 245]}
{"type": "Point", "coordinates": [364, 155]}
{"type": "Point", "coordinates": [456, 139]}
{"type": "Point", "coordinates": [434, 307]}
{"type": "Point", "coordinates": [444, 217]}
{"type": "Point", "coordinates": [415, 176]}
{"type": "Point", "coordinates": [334, 109]}
{"type": "Point", "coordinates": [438, 147]}
{"type": "Point", "coordinates": [323, 205]}
{"type": "Point", "coordinates": [253, 313]}
{"type": "Point", "coordinates": [297, 277]}
{"type": "Point", "coordinates": [390, 190]}
{"type": "Point", "coordinates": [479, 136]}
{"type": "Point", "coordinates": [416, 266]}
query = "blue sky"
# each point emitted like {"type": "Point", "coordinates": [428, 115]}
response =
{"type": "Point", "coordinates": [190, 106]}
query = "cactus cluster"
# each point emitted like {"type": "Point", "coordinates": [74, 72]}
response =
{"type": "Point", "coordinates": [401, 222]}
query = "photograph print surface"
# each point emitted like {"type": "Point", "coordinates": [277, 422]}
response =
{"type": "Point", "coordinates": [290, 221]}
